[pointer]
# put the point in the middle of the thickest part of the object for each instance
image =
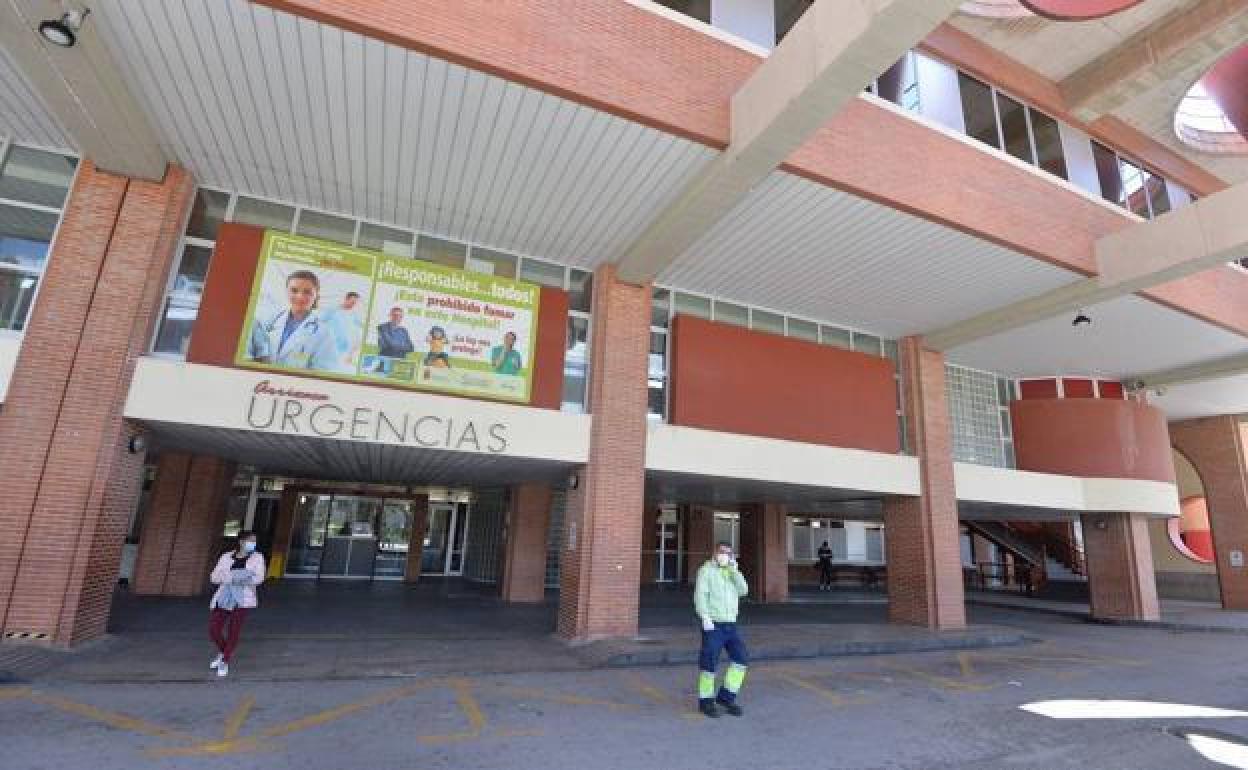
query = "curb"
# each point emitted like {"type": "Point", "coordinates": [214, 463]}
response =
{"type": "Point", "coordinates": [834, 649]}
{"type": "Point", "coordinates": [1156, 625]}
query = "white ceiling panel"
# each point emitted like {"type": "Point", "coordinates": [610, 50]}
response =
{"type": "Point", "coordinates": [809, 250]}
{"type": "Point", "coordinates": [264, 102]}
{"type": "Point", "coordinates": [1128, 336]}
{"type": "Point", "coordinates": [23, 116]}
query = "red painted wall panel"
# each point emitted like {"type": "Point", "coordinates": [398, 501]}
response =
{"type": "Point", "coordinates": [227, 290]}
{"type": "Point", "coordinates": [1029, 389]}
{"type": "Point", "coordinates": [1077, 387]}
{"type": "Point", "coordinates": [732, 379]}
{"type": "Point", "coordinates": [1092, 437]}
{"type": "Point", "coordinates": [1111, 390]}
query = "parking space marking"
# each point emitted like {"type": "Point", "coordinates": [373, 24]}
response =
{"type": "Point", "coordinates": [569, 700]}
{"type": "Point", "coordinates": [111, 718]}
{"type": "Point", "coordinates": [791, 677]}
{"type": "Point", "coordinates": [659, 697]}
{"type": "Point", "coordinates": [234, 723]}
{"type": "Point", "coordinates": [471, 710]}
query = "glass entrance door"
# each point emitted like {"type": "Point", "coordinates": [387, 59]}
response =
{"type": "Point", "coordinates": [444, 539]}
{"type": "Point", "coordinates": [669, 547]}
{"type": "Point", "coordinates": [350, 536]}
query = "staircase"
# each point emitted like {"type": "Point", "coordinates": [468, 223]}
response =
{"type": "Point", "coordinates": [1003, 536]}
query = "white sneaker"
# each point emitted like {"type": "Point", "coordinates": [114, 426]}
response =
{"type": "Point", "coordinates": [217, 661]}
{"type": "Point", "coordinates": [223, 669]}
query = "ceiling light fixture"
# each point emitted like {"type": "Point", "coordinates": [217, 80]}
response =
{"type": "Point", "coordinates": [63, 31]}
{"type": "Point", "coordinates": [1081, 320]}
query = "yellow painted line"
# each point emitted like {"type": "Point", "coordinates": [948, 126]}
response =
{"type": "Point", "coordinates": [940, 681]}
{"type": "Point", "coordinates": [471, 710]}
{"type": "Point", "coordinates": [338, 712]}
{"type": "Point", "coordinates": [14, 692]}
{"type": "Point", "coordinates": [234, 723]}
{"type": "Point", "coordinates": [964, 660]}
{"type": "Point", "coordinates": [212, 748]}
{"type": "Point", "coordinates": [651, 693]}
{"type": "Point", "coordinates": [110, 718]}
{"type": "Point", "coordinates": [571, 700]}
{"type": "Point", "coordinates": [830, 695]}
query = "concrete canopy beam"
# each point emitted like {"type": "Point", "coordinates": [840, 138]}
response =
{"type": "Point", "coordinates": [1186, 375]}
{"type": "Point", "coordinates": [1204, 235]}
{"type": "Point", "coordinates": [826, 59]}
{"type": "Point", "coordinates": [1178, 47]}
{"type": "Point", "coordinates": [83, 88]}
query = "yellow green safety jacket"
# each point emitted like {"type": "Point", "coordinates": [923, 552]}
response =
{"type": "Point", "coordinates": [717, 591]}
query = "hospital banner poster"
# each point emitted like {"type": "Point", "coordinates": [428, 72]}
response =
{"type": "Point", "coordinates": [322, 309]}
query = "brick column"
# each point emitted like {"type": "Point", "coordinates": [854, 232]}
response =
{"type": "Point", "coordinates": [921, 533]}
{"type": "Point", "coordinates": [524, 555]}
{"type": "Point", "coordinates": [600, 574]}
{"type": "Point", "coordinates": [771, 582]}
{"type": "Point", "coordinates": [160, 523]}
{"type": "Point", "coordinates": [1121, 584]}
{"type": "Point", "coordinates": [69, 482]}
{"type": "Point", "coordinates": [1218, 448]}
{"type": "Point", "coordinates": [416, 545]}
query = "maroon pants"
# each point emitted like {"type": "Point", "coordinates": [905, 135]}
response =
{"type": "Point", "coordinates": [225, 627]}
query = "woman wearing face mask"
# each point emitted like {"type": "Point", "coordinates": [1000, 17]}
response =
{"type": "Point", "coordinates": [236, 576]}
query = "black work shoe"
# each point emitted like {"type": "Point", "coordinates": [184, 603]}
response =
{"type": "Point", "coordinates": [732, 708]}
{"type": "Point", "coordinates": [708, 709]}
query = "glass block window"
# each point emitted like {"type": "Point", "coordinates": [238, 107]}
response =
{"type": "Point", "coordinates": [978, 420]}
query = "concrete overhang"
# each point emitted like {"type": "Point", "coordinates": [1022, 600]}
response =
{"type": "Point", "coordinates": [360, 432]}
{"type": "Point", "coordinates": [83, 89]}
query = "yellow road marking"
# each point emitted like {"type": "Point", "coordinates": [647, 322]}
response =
{"type": "Point", "coordinates": [964, 660]}
{"type": "Point", "coordinates": [338, 712]}
{"type": "Point", "coordinates": [571, 700]}
{"type": "Point", "coordinates": [651, 693]}
{"type": "Point", "coordinates": [235, 721]}
{"type": "Point", "coordinates": [110, 718]}
{"type": "Point", "coordinates": [472, 711]}
{"type": "Point", "coordinates": [941, 681]}
{"type": "Point", "coordinates": [212, 748]}
{"type": "Point", "coordinates": [823, 692]}
{"type": "Point", "coordinates": [14, 692]}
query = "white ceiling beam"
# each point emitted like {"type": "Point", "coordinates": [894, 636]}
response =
{"type": "Point", "coordinates": [826, 59]}
{"type": "Point", "coordinates": [83, 89]}
{"type": "Point", "coordinates": [1203, 235]}
{"type": "Point", "coordinates": [1179, 47]}
{"type": "Point", "coordinates": [1186, 375]}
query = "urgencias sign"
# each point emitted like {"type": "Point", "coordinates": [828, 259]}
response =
{"type": "Point", "coordinates": [310, 413]}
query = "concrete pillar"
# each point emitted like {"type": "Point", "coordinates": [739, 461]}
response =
{"type": "Point", "coordinates": [70, 483]}
{"type": "Point", "coordinates": [524, 555]}
{"type": "Point", "coordinates": [181, 533]}
{"type": "Point", "coordinates": [416, 545]}
{"type": "Point", "coordinates": [1121, 584]}
{"type": "Point", "coordinates": [600, 574]}
{"type": "Point", "coordinates": [921, 533]}
{"type": "Point", "coordinates": [1218, 448]}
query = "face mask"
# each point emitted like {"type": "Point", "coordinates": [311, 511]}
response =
{"type": "Point", "coordinates": [249, 546]}
{"type": "Point", "coordinates": [722, 559]}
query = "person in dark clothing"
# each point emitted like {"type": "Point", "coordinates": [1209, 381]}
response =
{"type": "Point", "coordinates": [393, 341]}
{"type": "Point", "coordinates": [825, 567]}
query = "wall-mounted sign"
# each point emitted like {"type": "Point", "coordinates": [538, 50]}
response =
{"type": "Point", "coordinates": [1237, 558]}
{"type": "Point", "coordinates": [322, 309]}
{"type": "Point", "coordinates": [309, 413]}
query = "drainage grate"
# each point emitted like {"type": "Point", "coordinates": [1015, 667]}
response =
{"type": "Point", "coordinates": [34, 636]}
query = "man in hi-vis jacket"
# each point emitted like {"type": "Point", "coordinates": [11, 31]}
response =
{"type": "Point", "coordinates": [719, 588]}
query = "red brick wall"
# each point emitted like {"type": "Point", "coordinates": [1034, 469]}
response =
{"type": "Point", "coordinates": [227, 290]}
{"type": "Point", "coordinates": [1119, 554]}
{"type": "Point", "coordinates": [524, 561]}
{"type": "Point", "coordinates": [921, 535]}
{"type": "Point", "coordinates": [160, 523]}
{"type": "Point", "coordinates": [600, 572]}
{"type": "Point", "coordinates": [1218, 448]}
{"type": "Point", "coordinates": [70, 484]}
{"type": "Point", "coordinates": [699, 539]}
{"type": "Point", "coordinates": [1103, 438]}
{"type": "Point", "coordinates": [792, 389]}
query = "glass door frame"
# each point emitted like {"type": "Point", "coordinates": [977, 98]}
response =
{"type": "Point", "coordinates": [381, 497]}
{"type": "Point", "coordinates": [455, 525]}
